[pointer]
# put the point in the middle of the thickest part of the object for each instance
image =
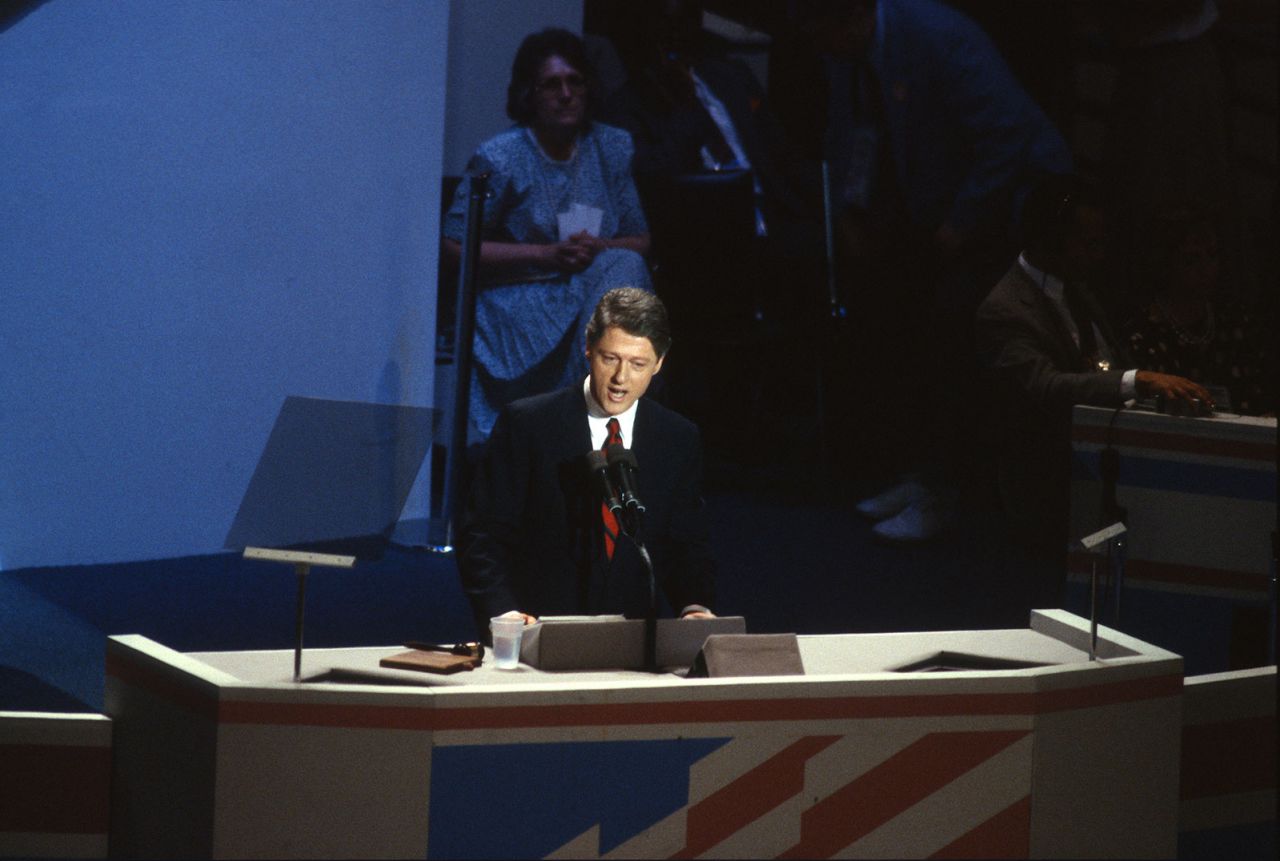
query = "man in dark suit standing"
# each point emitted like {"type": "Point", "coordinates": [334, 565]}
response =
{"type": "Point", "coordinates": [1045, 345]}
{"type": "Point", "coordinates": [691, 109]}
{"type": "Point", "coordinates": [534, 538]}
{"type": "Point", "coordinates": [735, 205]}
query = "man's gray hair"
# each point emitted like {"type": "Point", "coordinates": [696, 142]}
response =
{"type": "Point", "coordinates": [636, 312]}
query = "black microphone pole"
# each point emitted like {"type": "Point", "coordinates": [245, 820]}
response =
{"type": "Point", "coordinates": [651, 615]}
{"type": "Point", "coordinates": [623, 467]}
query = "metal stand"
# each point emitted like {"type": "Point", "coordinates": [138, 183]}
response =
{"type": "Point", "coordinates": [629, 524]}
{"type": "Point", "coordinates": [464, 334]}
{"type": "Point", "coordinates": [1106, 541]}
{"type": "Point", "coordinates": [651, 615]}
{"type": "Point", "coordinates": [302, 563]}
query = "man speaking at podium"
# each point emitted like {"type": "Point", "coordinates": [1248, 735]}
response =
{"type": "Point", "coordinates": [537, 534]}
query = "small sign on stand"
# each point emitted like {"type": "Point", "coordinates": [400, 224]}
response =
{"type": "Point", "coordinates": [1107, 541]}
{"type": "Point", "coordinates": [330, 486]}
{"type": "Point", "coordinates": [301, 562]}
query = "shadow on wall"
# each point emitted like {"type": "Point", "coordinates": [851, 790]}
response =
{"type": "Point", "coordinates": [13, 11]}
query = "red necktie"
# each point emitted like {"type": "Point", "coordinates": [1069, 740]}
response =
{"type": "Point", "coordinates": [606, 516]}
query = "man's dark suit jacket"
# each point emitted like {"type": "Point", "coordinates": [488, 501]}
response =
{"type": "Point", "coordinates": [531, 538]}
{"type": "Point", "coordinates": [670, 142]}
{"type": "Point", "coordinates": [1036, 374]}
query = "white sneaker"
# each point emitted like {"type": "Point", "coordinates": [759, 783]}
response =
{"type": "Point", "coordinates": [893, 500]}
{"type": "Point", "coordinates": [919, 521]}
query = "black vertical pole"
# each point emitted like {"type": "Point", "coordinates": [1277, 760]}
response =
{"type": "Point", "coordinates": [1093, 607]}
{"type": "Point", "coordinates": [301, 568]}
{"type": "Point", "coordinates": [464, 329]}
{"type": "Point", "coordinates": [651, 614]}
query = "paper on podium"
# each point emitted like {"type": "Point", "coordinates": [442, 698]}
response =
{"type": "Point", "coordinates": [616, 643]}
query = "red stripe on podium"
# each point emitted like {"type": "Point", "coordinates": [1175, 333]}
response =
{"type": "Point", "coordinates": [750, 796]}
{"type": "Point", "coordinates": [181, 690]}
{"type": "Point", "coordinates": [892, 787]}
{"type": "Point", "coordinates": [1005, 835]}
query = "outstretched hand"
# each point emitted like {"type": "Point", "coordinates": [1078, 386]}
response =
{"type": "Point", "coordinates": [1171, 387]}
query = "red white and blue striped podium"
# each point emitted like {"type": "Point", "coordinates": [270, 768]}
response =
{"type": "Point", "coordinates": [222, 755]}
{"type": "Point", "coordinates": [1200, 495]}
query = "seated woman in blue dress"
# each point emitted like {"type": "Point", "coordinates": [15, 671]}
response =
{"type": "Point", "coordinates": [562, 226]}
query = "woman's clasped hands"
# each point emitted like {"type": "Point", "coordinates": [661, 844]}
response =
{"type": "Point", "coordinates": [575, 253]}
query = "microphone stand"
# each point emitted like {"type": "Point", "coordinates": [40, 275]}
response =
{"type": "Point", "coordinates": [623, 460]}
{"type": "Point", "coordinates": [630, 526]}
{"type": "Point", "coordinates": [651, 615]}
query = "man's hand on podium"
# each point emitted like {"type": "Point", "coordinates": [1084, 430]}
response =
{"type": "Point", "coordinates": [1171, 387]}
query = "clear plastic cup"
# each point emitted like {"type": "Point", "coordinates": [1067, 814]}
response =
{"type": "Point", "coordinates": [506, 631]}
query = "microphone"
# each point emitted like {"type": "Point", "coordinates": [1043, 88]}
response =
{"type": "Point", "coordinates": [623, 468]}
{"type": "Point", "coordinates": [598, 464]}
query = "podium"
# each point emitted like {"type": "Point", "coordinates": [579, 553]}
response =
{"type": "Point", "coordinates": [1200, 498]}
{"type": "Point", "coordinates": [882, 749]}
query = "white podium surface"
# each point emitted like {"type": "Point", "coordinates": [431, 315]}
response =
{"type": "Point", "coordinates": [222, 755]}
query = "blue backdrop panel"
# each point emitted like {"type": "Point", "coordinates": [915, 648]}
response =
{"type": "Point", "coordinates": [206, 208]}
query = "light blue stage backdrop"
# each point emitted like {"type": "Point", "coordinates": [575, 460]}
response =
{"type": "Point", "coordinates": [205, 207]}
